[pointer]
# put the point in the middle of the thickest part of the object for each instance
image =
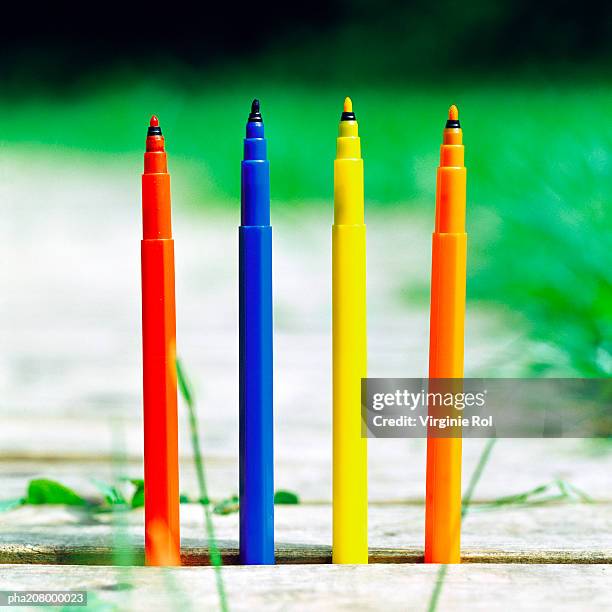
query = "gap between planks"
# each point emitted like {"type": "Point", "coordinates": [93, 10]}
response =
{"type": "Point", "coordinates": [285, 555]}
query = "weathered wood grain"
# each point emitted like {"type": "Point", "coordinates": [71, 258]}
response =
{"type": "Point", "coordinates": [563, 533]}
{"type": "Point", "coordinates": [396, 467]}
{"type": "Point", "coordinates": [466, 588]}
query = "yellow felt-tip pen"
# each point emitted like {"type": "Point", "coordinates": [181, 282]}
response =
{"type": "Point", "coordinates": [350, 469]}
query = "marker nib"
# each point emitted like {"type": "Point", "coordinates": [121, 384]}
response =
{"type": "Point", "coordinates": [453, 113]}
{"type": "Point", "coordinates": [154, 129]}
{"type": "Point", "coordinates": [255, 115]}
{"type": "Point", "coordinates": [348, 105]}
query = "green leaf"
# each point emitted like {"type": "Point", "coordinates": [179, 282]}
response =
{"type": "Point", "coordinates": [138, 496]}
{"type": "Point", "coordinates": [112, 494]}
{"type": "Point", "coordinates": [44, 491]}
{"type": "Point", "coordinates": [286, 497]}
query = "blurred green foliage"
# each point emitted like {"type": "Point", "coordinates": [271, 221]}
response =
{"type": "Point", "coordinates": [552, 124]}
{"type": "Point", "coordinates": [541, 228]}
{"type": "Point", "coordinates": [45, 491]}
{"type": "Point", "coordinates": [539, 159]}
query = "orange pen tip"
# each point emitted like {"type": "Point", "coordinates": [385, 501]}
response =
{"type": "Point", "coordinates": [348, 105]}
{"type": "Point", "coordinates": [453, 113]}
{"type": "Point", "coordinates": [154, 121]}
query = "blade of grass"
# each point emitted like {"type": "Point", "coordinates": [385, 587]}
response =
{"type": "Point", "coordinates": [435, 596]}
{"type": "Point", "coordinates": [582, 496]}
{"type": "Point", "coordinates": [476, 474]}
{"type": "Point", "coordinates": [566, 492]}
{"type": "Point", "coordinates": [215, 555]}
{"type": "Point", "coordinates": [123, 552]}
{"type": "Point", "coordinates": [518, 498]}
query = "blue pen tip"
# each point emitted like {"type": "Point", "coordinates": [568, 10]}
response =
{"type": "Point", "coordinates": [255, 115]}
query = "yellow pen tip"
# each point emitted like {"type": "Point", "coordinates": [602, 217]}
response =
{"type": "Point", "coordinates": [348, 105]}
{"type": "Point", "coordinates": [453, 113]}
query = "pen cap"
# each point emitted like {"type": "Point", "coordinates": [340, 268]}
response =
{"type": "Point", "coordinates": [451, 188]}
{"type": "Point", "coordinates": [255, 141]}
{"type": "Point", "coordinates": [451, 151]}
{"type": "Point", "coordinates": [255, 208]}
{"type": "Point", "coordinates": [255, 149]}
{"type": "Point", "coordinates": [452, 155]}
{"type": "Point", "coordinates": [348, 143]}
{"type": "Point", "coordinates": [155, 157]}
{"type": "Point", "coordinates": [155, 162]}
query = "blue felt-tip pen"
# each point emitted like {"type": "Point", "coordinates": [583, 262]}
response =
{"type": "Point", "coordinates": [256, 414]}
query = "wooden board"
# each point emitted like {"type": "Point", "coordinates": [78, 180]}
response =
{"type": "Point", "coordinates": [466, 588]}
{"type": "Point", "coordinates": [564, 533]}
{"type": "Point", "coordinates": [396, 467]}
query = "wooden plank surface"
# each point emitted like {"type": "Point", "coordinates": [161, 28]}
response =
{"type": "Point", "coordinates": [557, 533]}
{"type": "Point", "coordinates": [466, 588]}
{"type": "Point", "coordinates": [396, 467]}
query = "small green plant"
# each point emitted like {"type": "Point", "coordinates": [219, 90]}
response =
{"type": "Point", "coordinates": [138, 496]}
{"type": "Point", "coordinates": [286, 497]}
{"type": "Point", "coordinates": [45, 491]}
{"type": "Point", "coordinates": [113, 496]}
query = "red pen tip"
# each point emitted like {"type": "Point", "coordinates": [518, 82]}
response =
{"type": "Point", "coordinates": [154, 121]}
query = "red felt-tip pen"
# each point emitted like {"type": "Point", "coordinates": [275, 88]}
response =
{"type": "Point", "coordinates": [162, 535]}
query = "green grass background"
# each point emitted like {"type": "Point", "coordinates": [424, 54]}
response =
{"type": "Point", "coordinates": [539, 159]}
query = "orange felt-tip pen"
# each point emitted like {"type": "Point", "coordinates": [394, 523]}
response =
{"type": "Point", "coordinates": [162, 536]}
{"type": "Point", "coordinates": [446, 344]}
